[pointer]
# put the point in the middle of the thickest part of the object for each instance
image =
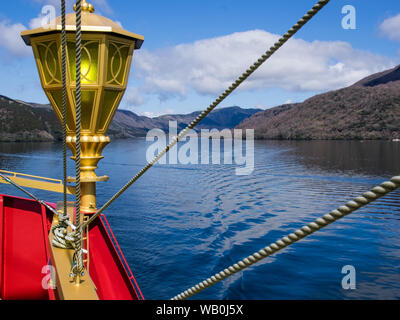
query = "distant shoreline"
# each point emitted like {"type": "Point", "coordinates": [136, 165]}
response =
{"type": "Point", "coordinates": [256, 139]}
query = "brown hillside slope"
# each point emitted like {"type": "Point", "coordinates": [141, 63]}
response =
{"type": "Point", "coordinates": [25, 121]}
{"type": "Point", "coordinates": [369, 109]}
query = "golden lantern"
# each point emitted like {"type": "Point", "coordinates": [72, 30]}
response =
{"type": "Point", "coordinates": [107, 51]}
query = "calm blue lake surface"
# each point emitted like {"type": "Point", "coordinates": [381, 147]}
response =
{"type": "Point", "coordinates": [179, 224]}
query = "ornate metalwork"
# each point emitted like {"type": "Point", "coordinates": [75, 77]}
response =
{"type": "Point", "coordinates": [49, 60]}
{"type": "Point", "coordinates": [107, 51]}
{"type": "Point", "coordinates": [121, 65]}
{"type": "Point", "coordinates": [89, 64]}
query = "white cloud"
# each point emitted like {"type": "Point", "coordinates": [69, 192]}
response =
{"type": "Point", "coordinates": [10, 39]}
{"type": "Point", "coordinates": [10, 35]}
{"type": "Point", "coordinates": [149, 114]}
{"type": "Point", "coordinates": [36, 22]}
{"type": "Point", "coordinates": [133, 98]}
{"type": "Point", "coordinates": [43, 20]}
{"type": "Point", "coordinates": [103, 6]}
{"type": "Point", "coordinates": [391, 28]}
{"type": "Point", "coordinates": [156, 114]}
{"type": "Point", "coordinates": [209, 66]}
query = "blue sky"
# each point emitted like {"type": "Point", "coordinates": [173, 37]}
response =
{"type": "Point", "coordinates": [193, 49]}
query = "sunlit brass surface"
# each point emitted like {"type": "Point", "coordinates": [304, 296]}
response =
{"type": "Point", "coordinates": [107, 51]}
{"type": "Point", "coordinates": [90, 23]}
{"type": "Point", "coordinates": [86, 7]}
{"type": "Point", "coordinates": [35, 182]}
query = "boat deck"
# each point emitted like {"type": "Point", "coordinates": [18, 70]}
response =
{"type": "Point", "coordinates": [25, 255]}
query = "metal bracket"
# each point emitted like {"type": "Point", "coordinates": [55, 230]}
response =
{"type": "Point", "coordinates": [36, 182]}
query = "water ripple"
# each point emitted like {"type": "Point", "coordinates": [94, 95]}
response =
{"type": "Point", "coordinates": [180, 224]}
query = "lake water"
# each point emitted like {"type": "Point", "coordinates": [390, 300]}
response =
{"type": "Point", "coordinates": [179, 224]}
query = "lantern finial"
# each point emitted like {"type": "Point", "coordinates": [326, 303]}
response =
{"type": "Point", "coordinates": [86, 7]}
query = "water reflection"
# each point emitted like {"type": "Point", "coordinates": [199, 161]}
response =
{"type": "Point", "coordinates": [371, 158]}
{"type": "Point", "coordinates": [180, 224]}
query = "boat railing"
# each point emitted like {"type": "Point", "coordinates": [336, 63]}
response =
{"type": "Point", "coordinates": [122, 257]}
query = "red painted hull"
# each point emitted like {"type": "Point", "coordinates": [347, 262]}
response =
{"type": "Point", "coordinates": [24, 255]}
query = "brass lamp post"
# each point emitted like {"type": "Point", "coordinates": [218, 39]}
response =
{"type": "Point", "coordinates": [107, 51]}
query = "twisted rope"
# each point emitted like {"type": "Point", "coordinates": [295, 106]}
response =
{"type": "Point", "coordinates": [32, 196]}
{"type": "Point", "coordinates": [65, 240]}
{"type": "Point", "coordinates": [78, 97]}
{"type": "Point", "coordinates": [307, 17]}
{"type": "Point", "coordinates": [62, 238]}
{"type": "Point", "coordinates": [64, 102]}
{"type": "Point", "coordinates": [60, 230]}
{"type": "Point", "coordinates": [351, 206]}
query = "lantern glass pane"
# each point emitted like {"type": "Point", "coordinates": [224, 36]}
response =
{"type": "Point", "coordinates": [57, 99]}
{"type": "Point", "coordinates": [88, 101]}
{"type": "Point", "coordinates": [110, 98]}
{"type": "Point", "coordinates": [117, 59]}
{"type": "Point", "coordinates": [48, 56]}
{"type": "Point", "coordinates": [89, 63]}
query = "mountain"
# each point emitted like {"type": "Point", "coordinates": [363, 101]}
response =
{"type": "Point", "coordinates": [128, 124]}
{"type": "Point", "coordinates": [20, 121]}
{"type": "Point", "coordinates": [25, 121]}
{"type": "Point", "coordinates": [224, 118]}
{"type": "Point", "coordinates": [369, 109]}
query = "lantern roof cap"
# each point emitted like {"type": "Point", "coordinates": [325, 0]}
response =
{"type": "Point", "coordinates": [85, 6]}
{"type": "Point", "coordinates": [91, 22]}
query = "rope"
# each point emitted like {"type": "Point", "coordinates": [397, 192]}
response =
{"type": "Point", "coordinates": [64, 98]}
{"type": "Point", "coordinates": [78, 269]}
{"type": "Point", "coordinates": [62, 238]}
{"type": "Point", "coordinates": [351, 206]}
{"type": "Point", "coordinates": [35, 198]}
{"type": "Point", "coordinates": [221, 98]}
{"type": "Point", "coordinates": [60, 230]}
